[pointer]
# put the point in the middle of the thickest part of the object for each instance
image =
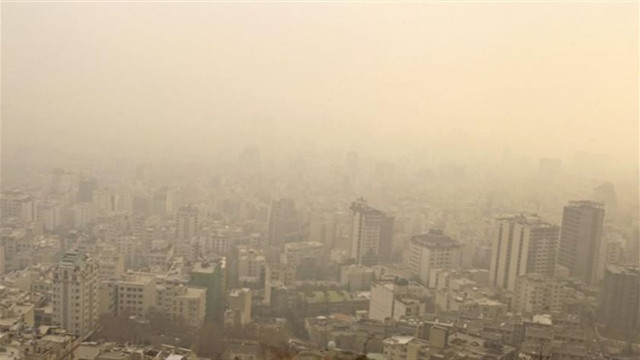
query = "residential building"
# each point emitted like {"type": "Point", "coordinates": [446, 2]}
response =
{"type": "Point", "coordinates": [136, 294]}
{"type": "Point", "coordinates": [239, 307]}
{"type": "Point", "coordinates": [283, 223]}
{"type": "Point", "coordinates": [393, 299]}
{"type": "Point", "coordinates": [405, 348]}
{"type": "Point", "coordinates": [187, 223]}
{"type": "Point", "coordinates": [431, 251]}
{"type": "Point", "coordinates": [211, 275]}
{"type": "Point", "coordinates": [18, 205]}
{"type": "Point", "coordinates": [356, 277]}
{"type": "Point", "coordinates": [75, 293]}
{"type": "Point", "coordinates": [523, 244]}
{"type": "Point", "coordinates": [295, 252]}
{"type": "Point", "coordinates": [370, 233]}
{"type": "Point", "coordinates": [314, 303]}
{"type": "Point", "coordinates": [536, 293]}
{"type": "Point", "coordinates": [251, 263]}
{"type": "Point", "coordinates": [581, 241]}
{"type": "Point", "coordinates": [181, 303]}
{"type": "Point", "coordinates": [277, 275]}
{"type": "Point", "coordinates": [620, 298]}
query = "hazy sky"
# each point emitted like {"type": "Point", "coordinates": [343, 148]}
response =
{"type": "Point", "coordinates": [195, 78]}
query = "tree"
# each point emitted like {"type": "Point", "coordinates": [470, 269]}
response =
{"type": "Point", "coordinates": [209, 341]}
{"type": "Point", "coordinates": [274, 343]}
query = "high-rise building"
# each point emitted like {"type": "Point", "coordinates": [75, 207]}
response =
{"type": "Point", "coordinates": [104, 201]}
{"type": "Point", "coordinates": [581, 241]}
{"type": "Point", "coordinates": [211, 276]}
{"type": "Point", "coordinates": [614, 252]}
{"type": "Point", "coordinates": [632, 247]}
{"type": "Point", "coordinates": [620, 298]}
{"type": "Point", "coordinates": [431, 251]}
{"type": "Point", "coordinates": [523, 244]}
{"type": "Point", "coordinates": [163, 201]}
{"type": "Point", "coordinates": [75, 293]}
{"type": "Point", "coordinates": [385, 246]}
{"type": "Point", "coordinates": [283, 223]}
{"type": "Point", "coordinates": [63, 181]}
{"type": "Point", "coordinates": [322, 229]}
{"type": "Point", "coordinates": [187, 224]}
{"type": "Point", "coordinates": [371, 233]}
{"type": "Point", "coordinates": [606, 194]}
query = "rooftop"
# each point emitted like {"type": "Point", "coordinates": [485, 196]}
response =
{"type": "Point", "coordinates": [137, 278]}
{"type": "Point", "coordinates": [435, 239]}
{"type": "Point", "coordinates": [586, 203]}
{"type": "Point", "coordinates": [398, 340]}
{"type": "Point", "coordinates": [527, 219]}
{"type": "Point", "coordinates": [362, 207]}
{"type": "Point", "coordinates": [624, 270]}
{"type": "Point", "coordinates": [296, 246]}
{"type": "Point", "coordinates": [207, 267]}
{"type": "Point", "coordinates": [73, 258]}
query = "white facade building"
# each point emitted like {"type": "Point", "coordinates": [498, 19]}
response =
{"type": "Point", "coordinates": [432, 251]}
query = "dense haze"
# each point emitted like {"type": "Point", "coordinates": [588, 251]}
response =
{"type": "Point", "coordinates": [192, 180]}
{"type": "Point", "coordinates": [200, 81]}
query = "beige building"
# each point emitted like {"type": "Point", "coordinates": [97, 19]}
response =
{"type": "Point", "coordinates": [136, 294]}
{"type": "Point", "coordinates": [356, 277]}
{"type": "Point", "coordinates": [432, 251]}
{"type": "Point", "coordinates": [535, 293]}
{"type": "Point", "coordinates": [277, 275]}
{"type": "Point", "coordinates": [160, 257]}
{"type": "Point", "coordinates": [442, 344]}
{"type": "Point", "coordinates": [104, 201]}
{"type": "Point", "coordinates": [111, 265]}
{"type": "Point", "coordinates": [396, 298]}
{"type": "Point", "coordinates": [251, 262]}
{"type": "Point", "coordinates": [405, 348]}
{"type": "Point", "coordinates": [182, 303]}
{"type": "Point", "coordinates": [187, 223]}
{"type": "Point", "coordinates": [16, 309]}
{"type": "Point", "coordinates": [523, 244]}
{"type": "Point", "coordinates": [75, 293]}
{"type": "Point", "coordinates": [19, 205]}
{"type": "Point", "coordinates": [107, 297]}
{"type": "Point", "coordinates": [239, 307]}
{"type": "Point", "coordinates": [370, 233]}
{"type": "Point", "coordinates": [295, 252]}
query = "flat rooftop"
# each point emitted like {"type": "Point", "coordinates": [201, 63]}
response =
{"type": "Point", "coordinates": [435, 239]}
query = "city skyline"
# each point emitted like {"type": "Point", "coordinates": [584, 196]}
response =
{"type": "Point", "coordinates": [206, 180]}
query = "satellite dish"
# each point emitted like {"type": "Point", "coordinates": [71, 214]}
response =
{"type": "Point", "coordinates": [331, 345]}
